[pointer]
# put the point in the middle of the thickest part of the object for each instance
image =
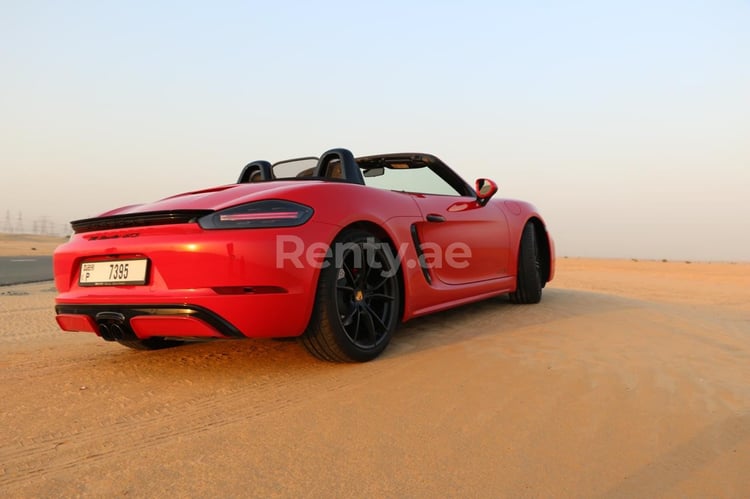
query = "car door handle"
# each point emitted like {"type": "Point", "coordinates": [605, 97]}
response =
{"type": "Point", "coordinates": [434, 217]}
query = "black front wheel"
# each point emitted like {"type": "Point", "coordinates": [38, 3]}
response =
{"type": "Point", "coordinates": [358, 300]}
{"type": "Point", "coordinates": [529, 277]}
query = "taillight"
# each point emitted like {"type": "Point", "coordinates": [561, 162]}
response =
{"type": "Point", "coordinates": [258, 215]}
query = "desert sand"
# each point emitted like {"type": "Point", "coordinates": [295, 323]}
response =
{"type": "Point", "coordinates": [28, 244]}
{"type": "Point", "coordinates": [630, 379]}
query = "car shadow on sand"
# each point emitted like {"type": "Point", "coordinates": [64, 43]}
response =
{"type": "Point", "coordinates": [495, 316]}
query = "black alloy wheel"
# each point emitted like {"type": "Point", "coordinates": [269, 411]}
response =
{"type": "Point", "coordinates": [358, 300]}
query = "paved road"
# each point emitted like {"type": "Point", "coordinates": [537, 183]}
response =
{"type": "Point", "coordinates": [20, 269]}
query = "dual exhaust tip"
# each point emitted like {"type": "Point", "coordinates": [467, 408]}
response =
{"type": "Point", "coordinates": [112, 326]}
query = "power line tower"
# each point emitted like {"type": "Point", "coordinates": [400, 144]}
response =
{"type": "Point", "coordinates": [8, 227]}
{"type": "Point", "coordinates": [19, 224]}
{"type": "Point", "coordinates": [43, 226]}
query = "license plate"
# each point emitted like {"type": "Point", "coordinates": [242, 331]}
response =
{"type": "Point", "coordinates": [113, 272]}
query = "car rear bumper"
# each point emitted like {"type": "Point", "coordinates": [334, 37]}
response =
{"type": "Point", "coordinates": [117, 322]}
{"type": "Point", "coordinates": [220, 284]}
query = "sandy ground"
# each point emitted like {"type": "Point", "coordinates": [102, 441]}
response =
{"type": "Point", "coordinates": [28, 244]}
{"type": "Point", "coordinates": [630, 379]}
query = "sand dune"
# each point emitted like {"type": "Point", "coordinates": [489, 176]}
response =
{"type": "Point", "coordinates": [630, 379]}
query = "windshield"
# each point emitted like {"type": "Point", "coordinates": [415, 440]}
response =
{"type": "Point", "coordinates": [403, 178]}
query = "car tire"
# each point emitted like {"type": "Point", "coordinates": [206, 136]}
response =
{"type": "Point", "coordinates": [150, 344]}
{"type": "Point", "coordinates": [358, 300]}
{"type": "Point", "coordinates": [529, 276]}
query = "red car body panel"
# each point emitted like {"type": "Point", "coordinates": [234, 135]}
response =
{"type": "Point", "coordinates": [247, 283]}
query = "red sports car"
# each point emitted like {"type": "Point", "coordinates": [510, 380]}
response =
{"type": "Point", "coordinates": [335, 250]}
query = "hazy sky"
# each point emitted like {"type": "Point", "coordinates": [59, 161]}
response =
{"type": "Point", "coordinates": [626, 123]}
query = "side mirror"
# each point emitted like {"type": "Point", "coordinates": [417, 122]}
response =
{"type": "Point", "coordinates": [485, 188]}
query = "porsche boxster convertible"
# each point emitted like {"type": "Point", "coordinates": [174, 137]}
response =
{"type": "Point", "coordinates": [336, 250]}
